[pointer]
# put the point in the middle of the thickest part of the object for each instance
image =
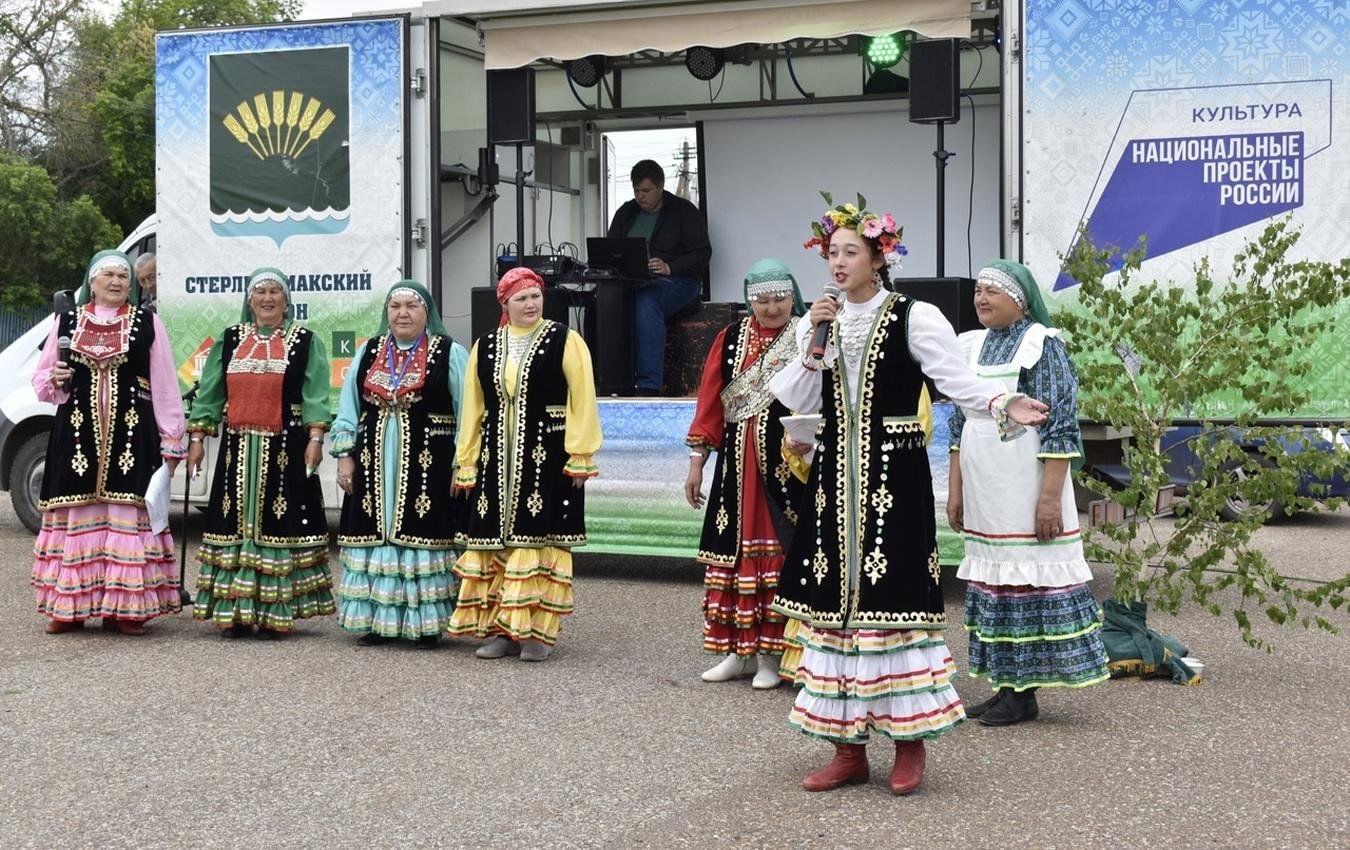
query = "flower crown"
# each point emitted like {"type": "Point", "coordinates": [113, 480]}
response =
{"type": "Point", "coordinates": [881, 229]}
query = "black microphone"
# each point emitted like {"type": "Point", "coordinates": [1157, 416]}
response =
{"type": "Point", "coordinates": [63, 351]}
{"type": "Point", "coordinates": [823, 328]}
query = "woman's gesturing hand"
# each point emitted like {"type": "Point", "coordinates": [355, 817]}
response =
{"type": "Point", "coordinates": [346, 473]}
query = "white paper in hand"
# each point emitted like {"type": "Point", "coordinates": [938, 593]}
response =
{"type": "Point", "coordinates": [802, 427]}
{"type": "Point", "coordinates": [157, 500]}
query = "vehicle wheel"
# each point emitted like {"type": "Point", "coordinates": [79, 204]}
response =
{"type": "Point", "coordinates": [25, 480]}
{"type": "Point", "coordinates": [1235, 508]}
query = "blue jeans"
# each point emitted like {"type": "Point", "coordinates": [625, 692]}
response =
{"type": "Point", "coordinates": [655, 301]}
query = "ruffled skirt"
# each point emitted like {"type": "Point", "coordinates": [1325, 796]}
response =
{"type": "Point", "coordinates": [894, 682]}
{"type": "Point", "coordinates": [267, 586]}
{"type": "Point", "coordinates": [520, 593]}
{"type": "Point", "coordinates": [737, 617]}
{"type": "Point", "coordinates": [1035, 637]}
{"type": "Point", "coordinates": [396, 591]}
{"type": "Point", "coordinates": [102, 560]}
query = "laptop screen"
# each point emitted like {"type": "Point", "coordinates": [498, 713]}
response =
{"type": "Point", "coordinates": [626, 256]}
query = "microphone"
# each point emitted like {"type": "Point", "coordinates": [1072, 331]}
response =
{"type": "Point", "coordinates": [822, 333]}
{"type": "Point", "coordinates": [63, 351]}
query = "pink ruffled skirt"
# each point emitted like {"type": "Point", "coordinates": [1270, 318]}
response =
{"type": "Point", "coordinates": [102, 560]}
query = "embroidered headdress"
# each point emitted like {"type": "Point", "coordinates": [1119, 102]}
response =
{"type": "Point", "coordinates": [260, 277]}
{"type": "Point", "coordinates": [413, 287]}
{"type": "Point", "coordinates": [1017, 282]}
{"type": "Point", "coordinates": [772, 277]}
{"type": "Point", "coordinates": [108, 260]}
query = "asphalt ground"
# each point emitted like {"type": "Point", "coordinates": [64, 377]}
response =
{"type": "Point", "coordinates": [180, 738]}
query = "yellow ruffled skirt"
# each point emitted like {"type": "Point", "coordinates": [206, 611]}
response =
{"type": "Point", "coordinates": [520, 593]}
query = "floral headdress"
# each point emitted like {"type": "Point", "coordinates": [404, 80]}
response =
{"type": "Point", "coordinates": [880, 230]}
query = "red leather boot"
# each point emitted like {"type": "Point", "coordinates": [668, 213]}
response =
{"type": "Point", "coordinates": [848, 767]}
{"type": "Point", "coordinates": [907, 775]}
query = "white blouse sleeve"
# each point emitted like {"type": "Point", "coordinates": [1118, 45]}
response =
{"type": "Point", "coordinates": [796, 385]}
{"type": "Point", "coordinates": [933, 345]}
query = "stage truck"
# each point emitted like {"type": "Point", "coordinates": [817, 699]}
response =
{"type": "Point", "coordinates": [351, 153]}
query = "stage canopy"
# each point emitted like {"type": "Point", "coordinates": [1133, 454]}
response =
{"type": "Point", "coordinates": [518, 33]}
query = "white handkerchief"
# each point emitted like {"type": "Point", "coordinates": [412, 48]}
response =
{"type": "Point", "coordinates": [802, 427]}
{"type": "Point", "coordinates": [157, 500]}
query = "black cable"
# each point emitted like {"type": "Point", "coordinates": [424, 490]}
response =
{"type": "Point", "coordinates": [712, 98]}
{"type": "Point", "coordinates": [551, 182]}
{"type": "Point", "coordinates": [970, 202]}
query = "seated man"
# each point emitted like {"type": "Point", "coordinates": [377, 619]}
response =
{"type": "Point", "coordinates": [677, 241]}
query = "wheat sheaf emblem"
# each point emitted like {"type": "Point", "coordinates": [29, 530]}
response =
{"type": "Point", "coordinates": [280, 127]}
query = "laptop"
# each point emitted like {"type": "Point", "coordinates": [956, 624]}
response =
{"type": "Point", "coordinates": [625, 256]}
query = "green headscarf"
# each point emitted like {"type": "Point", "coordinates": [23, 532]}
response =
{"type": "Point", "coordinates": [434, 323]}
{"type": "Point", "coordinates": [272, 275]}
{"type": "Point", "coordinates": [769, 270]}
{"type": "Point", "coordinates": [1030, 291]}
{"type": "Point", "coordinates": [85, 294]}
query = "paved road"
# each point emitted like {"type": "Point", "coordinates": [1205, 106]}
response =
{"type": "Point", "coordinates": [183, 739]}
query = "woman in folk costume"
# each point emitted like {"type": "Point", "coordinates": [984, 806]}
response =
{"type": "Point", "coordinates": [528, 432]}
{"type": "Point", "coordinates": [264, 554]}
{"type": "Point", "coordinates": [1032, 620]}
{"type": "Point", "coordinates": [118, 418]}
{"type": "Point", "coordinates": [754, 496]}
{"type": "Point", "coordinates": [394, 438]}
{"type": "Point", "coordinates": [862, 573]}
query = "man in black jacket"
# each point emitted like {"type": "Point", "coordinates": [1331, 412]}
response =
{"type": "Point", "coordinates": [677, 242]}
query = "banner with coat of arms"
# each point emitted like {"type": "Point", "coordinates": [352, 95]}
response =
{"type": "Point", "coordinates": [280, 146]}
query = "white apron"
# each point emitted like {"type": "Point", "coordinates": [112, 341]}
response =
{"type": "Point", "coordinates": [1001, 484]}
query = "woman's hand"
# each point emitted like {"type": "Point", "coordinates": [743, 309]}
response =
{"type": "Point", "coordinates": [61, 373]}
{"type": "Point", "coordinates": [346, 473]}
{"type": "Point", "coordinates": [823, 309]}
{"type": "Point", "coordinates": [693, 483]}
{"type": "Point", "coordinates": [196, 452]}
{"type": "Point", "coordinates": [172, 464]}
{"type": "Point", "coordinates": [1025, 410]}
{"type": "Point", "coordinates": [956, 513]}
{"type": "Point", "coordinates": [313, 454]}
{"type": "Point", "coordinates": [798, 449]}
{"type": "Point", "coordinates": [1049, 513]}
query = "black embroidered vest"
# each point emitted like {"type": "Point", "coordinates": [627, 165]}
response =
{"type": "Point", "coordinates": [288, 509]}
{"type": "Point", "coordinates": [721, 537]}
{"type": "Point", "coordinates": [523, 497]}
{"type": "Point", "coordinates": [865, 550]}
{"type": "Point", "coordinates": [425, 512]}
{"type": "Point", "coordinates": [89, 458]}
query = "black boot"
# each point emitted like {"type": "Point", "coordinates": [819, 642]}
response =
{"type": "Point", "coordinates": [1016, 707]}
{"type": "Point", "coordinates": [980, 708]}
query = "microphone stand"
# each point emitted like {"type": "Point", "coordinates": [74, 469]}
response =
{"type": "Point", "coordinates": [183, 596]}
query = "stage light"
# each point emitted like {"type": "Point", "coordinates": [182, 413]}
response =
{"type": "Point", "coordinates": [704, 63]}
{"type": "Point", "coordinates": [883, 51]}
{"type": "Point", "coordinates": [586, 71]}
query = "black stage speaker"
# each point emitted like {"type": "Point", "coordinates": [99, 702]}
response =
{"type": "Point", "coordinates": [510, 106]}
{"type": "Point", "coordinates": [935, 81]}
{"type": "Point", "coordinates": [954, 296]}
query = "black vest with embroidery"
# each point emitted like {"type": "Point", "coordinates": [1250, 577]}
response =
{"type": "Point", "coordinates": [91, 460]}
{"type": "Point", "coordinates": [523, 497]}
{"type": "Point", "coordinates": [721, 537]}
{"type": "Point", "coordinates": [289, 507]}
{"type": "Point", "coordinates": [425, 512]}
{"type": "Point", "coordinates": [865, 550]}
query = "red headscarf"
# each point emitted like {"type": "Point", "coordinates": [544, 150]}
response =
{"type": "Point", "coordinates": [514, 281]}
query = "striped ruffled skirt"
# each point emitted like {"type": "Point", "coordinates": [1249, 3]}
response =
{"type": "Point", "coordinates": [892, 682]}
{"type": "Point", "coordinates": [1034, 637]}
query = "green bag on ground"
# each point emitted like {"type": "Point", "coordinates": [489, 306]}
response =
{"type": "Point", "coordinates": [1133, 649]}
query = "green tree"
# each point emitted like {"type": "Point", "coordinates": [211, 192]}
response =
{"type": "Point", "coordinates": [102, 138]}
{"type": "Point", "coordinates": [1229, 355]}
{"type": "Point", "coordinates": [47, 242]}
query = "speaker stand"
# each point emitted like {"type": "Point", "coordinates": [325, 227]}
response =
{"type": "Point", "coordinates": [940, 157]}
{"type": "Point", "coordinates": [520, 201]}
